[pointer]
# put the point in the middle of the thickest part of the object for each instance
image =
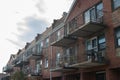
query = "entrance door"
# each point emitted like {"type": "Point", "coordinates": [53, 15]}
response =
{"type": "Point", "coordinates": [100, 76]}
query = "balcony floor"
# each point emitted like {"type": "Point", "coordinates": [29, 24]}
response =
{"type": "Point", "coordinates": [21, 63]}
{"type": "Point", "coordinates": [87, 64]}
{"type": "Point", "coordinates": [87, 29]}
{"type": "Point", "coordinates": [34, 56]}
{"type": "Point", "coordinates": [65, 41]}
{"type": "Point", "coordinates": [63, 69]}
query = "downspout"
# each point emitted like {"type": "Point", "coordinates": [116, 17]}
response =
{"type": "Point", "coordinates": [50, 62]}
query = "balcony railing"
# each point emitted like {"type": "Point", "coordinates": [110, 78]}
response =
{"type": "Point", "coordinates": [92, 59]}
{"type": "Point", "coordinates": [34, 55]}
{"type": "Point", "coordinates": [63, 63]}
{"type": "Point", "coordinates": [8, 68]}
{"type": "Point", "coordinates": [36, 73]}
{"type": "Point", "coordinates": [30, 72]}
{"type": "Point", "coordinates": [81, 29]}
{"type": "Point", "coordinates": [20, 63]}
{"type": "Point", "coordinates": [63, 40]}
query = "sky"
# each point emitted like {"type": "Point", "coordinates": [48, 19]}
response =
{"type": "Point", "coordinates": [21, 20]}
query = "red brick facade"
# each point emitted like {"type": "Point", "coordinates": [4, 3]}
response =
{"type": "Point", "coordinates": [77, 50]}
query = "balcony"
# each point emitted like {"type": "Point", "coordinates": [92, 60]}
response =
{"type": "Point", "coordinates": [85, 29]}
{"type": "Point", "coordinates": [36, 73]}
{"type": "Point", "coordinates": [20, 63]}
{"type": "Point", "coordinates": [63, 40]}
{"type": "Point", "coordinates": [7, 68]}
{"type": "Point", "coordinates": [30, 72]}
{"type": "Point", "coordinates": [35, 55]}
{"type": "Point", "coordinates": [92, 59]}
{"type": "Point", "coordinates": [63, 64]}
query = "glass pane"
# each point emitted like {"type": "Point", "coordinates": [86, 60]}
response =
{"type": "Point", "coordinates": [94, 43]}
{"type": "Point", "coordinates": [101, 39]}
{"type": "Point", "coordinates": [88, 45]}
{"type": "Point", "coordinates": [41, 44]}
{"type": "Point", "coordinates": [87, 16]}
{"type": "Point", "coordinates": [102, 46]}
{"type": "Point", "coordinates": [118, 34]}
{"type": "Point", "coordinates": [116, 3]}
{"type": "Point", "coordinates": [118, 41]}
{"type": "Point", "coordinates": [47, 40]}
{"type": "Point", "coordinates": [58, 34]}
{"type": "Point", "coordinates": [100, 12]}
{"type": "Point", "coordinates": [93, 15]}
{"type": "Point", "coordinates": [41, 62]}
{"type": "Point", "coordinates": [101, 42]}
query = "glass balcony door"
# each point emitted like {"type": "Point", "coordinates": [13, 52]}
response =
{"type": "Point", "coordinates": [70, 56]}
{"type": "Point", "coordinates": [92, 48]}
{"type": "Point", "coordinates": [94, 14]}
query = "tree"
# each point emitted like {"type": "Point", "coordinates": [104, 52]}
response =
{"type": "Point", "coordinates": [18, 75]}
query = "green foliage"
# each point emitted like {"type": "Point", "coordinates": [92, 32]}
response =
{"type": "Point", "coordinates": [18, 75]}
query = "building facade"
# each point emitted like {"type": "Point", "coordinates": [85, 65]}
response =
{"type": "Point", "coordinates": [82, 45]}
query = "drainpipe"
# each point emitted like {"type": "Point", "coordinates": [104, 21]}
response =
{"type": "Point", "coordinates": [51, 62]}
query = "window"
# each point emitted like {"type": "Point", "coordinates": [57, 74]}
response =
{"type": "Point", "coordinates": [99, 10]}
{"type": "Point", "coordinates": [58, 35]}
{"type": "Point", "coordinates": [91, 44]}
{"type": "Point", "coordinates": [39, 48]}
{"type": "Point", "coordinates": [94, 14]}
{"type": "Point", "coordinates": [70, 55]}
{"type": "Point", "coordinates": [33, 50]}
{"type": "Point", "coordinates": [101, 42]}
{"type": "Point", "coordinates": [116, 4]}
{"type": "Point", "coordinates": [58, 58]}
{"type": "Point", "coordinates": [46, 62]}
{"type": "Point", "coordinates": [97, 42]}
{"type": "Point", "coordinates": [41, 44]}
{"type": "Point", "coordinates": [38, 66]}
{"type": "Point", "coordinates": [87, 16]}
{"type": "Point", "coordinates": [117, 34]}
{"type": "Point", "coordinates": [47, 42]}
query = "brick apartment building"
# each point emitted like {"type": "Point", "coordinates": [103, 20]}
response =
{"type": "Point", "coordinates": [2, 76]}
{"type": "Point", "coordinates": [83, 45]}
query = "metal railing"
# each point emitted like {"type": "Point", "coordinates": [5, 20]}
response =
{"type": "Point", "coordinates": [96, 56]}
{"type": "Point", "coordinates": [78, 21]}
{"type": "Point", "coordinates": [66, 60]}
{"type": "Point", "coordinates": [7, 68]}
{"type": "Point", "coordinates": [32, 72]}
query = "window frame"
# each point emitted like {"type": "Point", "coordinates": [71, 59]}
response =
{"type": "Point", "coordinates": [116, 39]}
{"type": "Point", "coordinates": [89, 11]}
{"type": "Point", "coordinates": [90, 47]}
{"type": "Point", "coordinates": [113, 5]}
{"type": "Point", "coordinates": [46, 63]}
{"type": "Point", "coordinates": [47, 42]}
{"type": "Point", "coordinates": [58, 34]}
{"type": "Point", "coordinates": [103, 35]}
{"type": "Point", "coordinates": [58, 59]}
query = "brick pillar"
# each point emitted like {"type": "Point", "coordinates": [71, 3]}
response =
{"type": "Point", "coordinates": [63, 76]}
{"type": "Point", "coordinates": [112, 75]}
{"type": "Point", "coordinates": [81, 76]}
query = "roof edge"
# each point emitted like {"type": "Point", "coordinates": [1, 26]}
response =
{"type": "Point", "coordinates": [72, 6]}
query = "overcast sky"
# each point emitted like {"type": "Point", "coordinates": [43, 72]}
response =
{"type": "Point", "coordinates": [21, 20]}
